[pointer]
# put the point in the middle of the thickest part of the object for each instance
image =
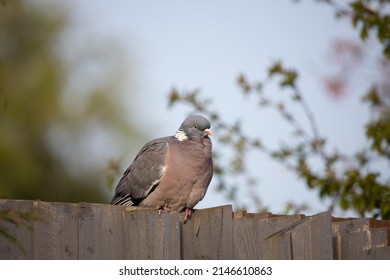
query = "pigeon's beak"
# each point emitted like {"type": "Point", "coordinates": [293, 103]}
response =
{"type": "Point", "coordinates": [208, 132]}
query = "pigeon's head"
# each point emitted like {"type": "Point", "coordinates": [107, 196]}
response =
{"type": "Point", "coordinates": [194, 126]}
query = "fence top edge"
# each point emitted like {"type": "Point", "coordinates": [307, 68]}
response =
{"type": "Point", "coordinates": [372, 223]}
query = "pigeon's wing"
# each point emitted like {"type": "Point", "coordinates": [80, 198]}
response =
{"type": "Point", "coordinates": [143, 175]}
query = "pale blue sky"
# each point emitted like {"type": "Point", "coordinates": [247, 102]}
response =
{"type": "Point", "coordinates": [206, 44]}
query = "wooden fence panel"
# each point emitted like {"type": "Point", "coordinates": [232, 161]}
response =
{"type": "Point", "coordinates": [55, 232]}
{"type": "Point", "coordinates": [250, 232]}
{"type": "Point", "coordinates": [24, 236]}
{"type": "Point", "coordinates": [310, 238]}
{"type": "Point", "coordinates": [150, 234]}
{"type": "Point", "coordinates": [354, 237]}
{"type": "Point", "coordinates": [279, 247]}
{"type": "Point", "coordinates": [100, 231]}
{"type": "Point", "coordinates": [208, 234]}
{"type": "Point", "coordinates": [380, 237]}
{"type": "Point", "coordinates": [375, 254]}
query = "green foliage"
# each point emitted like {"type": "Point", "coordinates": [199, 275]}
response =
{"type": "Point", "coordinates": [378, 129]}
{"type": "Point", "coordinates": [48, 123]}
{"type": "Point", "coordinates": [368, 17]}
{"type": "Point", "coordinates": [348, 180]}
{"type": "Point", "coordinates": [288, 77]}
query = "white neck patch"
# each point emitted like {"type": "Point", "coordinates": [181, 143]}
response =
{"type": "Point", "coordinates": [180, 135]}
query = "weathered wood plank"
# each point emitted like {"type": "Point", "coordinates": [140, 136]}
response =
{"type": "Point", "coordinates": [55, 232]}
{"type": "Point", "coordinates": [355, 243]}
{"type": "Point", "coordinates": [380, 237]}
{"type": "Point", "coordinates": [244, 213]}
{"type": "Point", "coordinates": [149, 234]}
{"type": "Point", "coordinates": [310, 238]}
{"type": "Point", "coordinates": [100, 231]}
{"type": "Point", "coordinates": [279, 247]}
{"type": "Point", "coordinates": [8, 249]}
{"type": "Point", "coordinates": [382, 253]}
{"type": "Point", "coordinates": [208, 234]}
{"type": "Point", "coordinates": [313, 240]}
{"type": "Point", "coordinates": [250, 231]}
{"type": "Point", "coordinates": [352, 236]}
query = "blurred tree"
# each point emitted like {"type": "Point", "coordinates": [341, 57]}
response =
{"type": "Point", "coordinates": [351, 181]}
{"type": "Point", "coordinates": [52, 133]}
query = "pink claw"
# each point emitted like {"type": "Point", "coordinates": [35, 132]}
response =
{"type": "Point", "coordinates": [188, 214]}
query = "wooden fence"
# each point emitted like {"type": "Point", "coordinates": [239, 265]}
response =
{"type": "Point", "coordinates": [101, 231]}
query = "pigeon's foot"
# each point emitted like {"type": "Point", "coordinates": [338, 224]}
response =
{"type": "Point", "coordinates": [166, 208]}
{"type": "Point", "coordinates": [187, 214]}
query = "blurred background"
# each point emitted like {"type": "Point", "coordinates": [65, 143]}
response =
{"type": "Point", "coordinates": [84, 84]}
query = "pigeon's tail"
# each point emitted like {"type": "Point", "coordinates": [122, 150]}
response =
{"type": "Point", "coordinates": [122, 200]}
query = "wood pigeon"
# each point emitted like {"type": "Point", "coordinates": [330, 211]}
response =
{"type": "Point", "coordinates": [170, 173]}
